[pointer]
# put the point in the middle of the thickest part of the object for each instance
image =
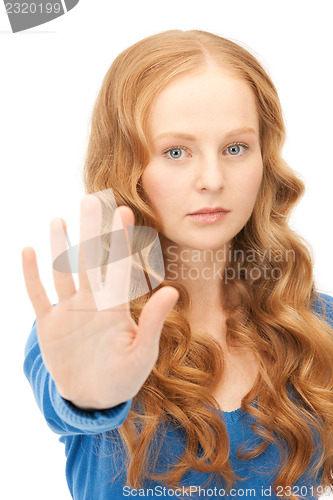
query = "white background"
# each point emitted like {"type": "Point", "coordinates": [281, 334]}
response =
{"type": "Point", "coordinates": [50, 76]}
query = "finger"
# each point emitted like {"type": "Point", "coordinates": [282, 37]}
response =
{"type": "Point", "coordinates": [62, 276]}
{"type": "Point", "coordinates": [90, 243]}
{"type": "Point", "coordinates": [35, 289]}
{"type": "Point", "coordinates": [153, 316]}
{"type": "Point", "coordinates": [119, 266]}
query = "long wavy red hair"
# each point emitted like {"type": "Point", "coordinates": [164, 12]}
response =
{"type": "Point", "coordinates": [274, 318]}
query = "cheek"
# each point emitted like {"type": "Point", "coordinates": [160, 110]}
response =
{"type": "Point", "coordinates": [159, 186]}
{"type": "Point", "coordinates": [248, 183]}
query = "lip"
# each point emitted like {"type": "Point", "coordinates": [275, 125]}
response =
{"type": "Point", "coordinates": [209, 210]}
{"type": "Point", "coordinates": [208, 217]}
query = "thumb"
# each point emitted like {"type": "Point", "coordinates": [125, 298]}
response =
{"type": "Point", "coordinates": [153, 315]}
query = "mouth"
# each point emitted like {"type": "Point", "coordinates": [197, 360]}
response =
{"type": "Point", "coordinates": [208, 217]}
{"type": "Point", "coordinates": [208, 210]}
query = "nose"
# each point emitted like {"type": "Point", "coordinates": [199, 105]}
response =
{"type": "Point", "coordinates": [209, 173]}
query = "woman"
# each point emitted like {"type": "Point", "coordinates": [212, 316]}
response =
{"type": "Point", "coordinates": [221, 380]}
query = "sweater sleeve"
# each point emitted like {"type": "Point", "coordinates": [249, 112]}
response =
{"type": "Point", "coordinates": [61, 415]}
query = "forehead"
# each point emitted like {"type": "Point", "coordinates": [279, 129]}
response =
{"type": "Point", "coordinates": [207, 97]}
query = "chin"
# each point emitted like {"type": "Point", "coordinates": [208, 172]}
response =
{"type": "Point", "coordinates": [206, 244]}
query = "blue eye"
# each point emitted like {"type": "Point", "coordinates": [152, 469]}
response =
{"type": "Point", "coordinates": [235, 149]}
{"type": "Point", "coordinates": [175, 152]}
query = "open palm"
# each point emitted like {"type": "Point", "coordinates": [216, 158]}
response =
{"type": "Point", "coordinates": [97, 358]}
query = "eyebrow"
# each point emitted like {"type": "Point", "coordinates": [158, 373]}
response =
{"type": "Point", "coordinates": [188, 137]}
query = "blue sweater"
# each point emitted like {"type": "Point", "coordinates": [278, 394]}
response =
{"type": "Point", "coordinates": [95, 467]}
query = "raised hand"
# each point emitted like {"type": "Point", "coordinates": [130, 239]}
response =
{"type": "Point", "coordinates": [97, 358]}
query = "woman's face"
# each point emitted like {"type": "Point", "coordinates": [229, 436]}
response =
{"type": "Point", "coordinates": [204, 131]}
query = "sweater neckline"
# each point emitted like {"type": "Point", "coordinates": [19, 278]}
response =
{"type": "Point", "coordinates": [239, 413]}
{"type": "Point", "coordinates": [235, 415]}
{"type": "Point", "coordinates": [232, 416]}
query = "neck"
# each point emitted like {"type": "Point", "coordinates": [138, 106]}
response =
{"type": "Point", "coordinates": [201, 272]}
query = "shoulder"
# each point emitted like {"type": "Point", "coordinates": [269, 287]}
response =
{"type": "Point", "coordinates": [323, 305]}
